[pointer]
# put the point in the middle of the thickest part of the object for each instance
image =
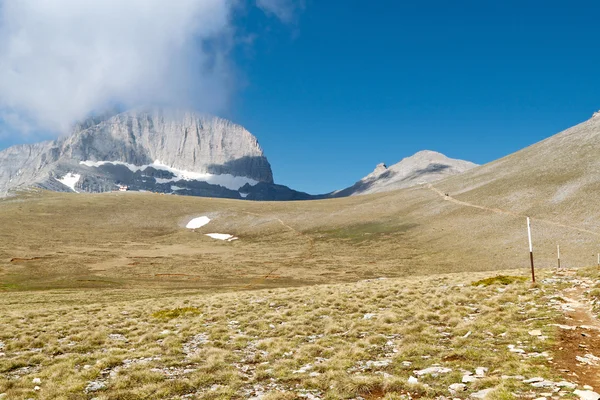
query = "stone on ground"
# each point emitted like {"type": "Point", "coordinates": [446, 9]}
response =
{"type": "Point", "coordinates": [587, 395]}
{"type": "Point", "coordinates": [482, 394]}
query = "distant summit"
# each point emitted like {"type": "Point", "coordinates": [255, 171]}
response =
{"type": "Point", "coordinates": [422, 167]}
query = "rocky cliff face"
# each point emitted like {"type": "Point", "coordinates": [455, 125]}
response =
{"type": "Point", "coordinates": [423, 167]}
{"type": "Point", "coordinates": [160, 150]}
{"type": "Point", "coordinates": [181, 140]}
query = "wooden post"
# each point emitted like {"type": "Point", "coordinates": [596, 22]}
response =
{"type": "Point", "coordinates": [530, 250]}
{"type": "Point", "coordinates": [558, 254]}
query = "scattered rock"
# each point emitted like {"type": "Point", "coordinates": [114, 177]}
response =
{"type": "Point", "coordinates": [469, 379]}
{"type": "Point", "coordinates": [482, 394]}
{"type": "Point", "coordinates": [95, 386]}
{"type": "Point", "coordinates": [369, 316]}
{"type": "Point", "coordinates": [308, 396]}
{"type": "Point", "coordinates": [37, 388]}
{"type": "Point", "coordinates": [565, 327]}
{"type": "Point", "coordinates": [117, 337]}
{"type": "Point", "coordinates": [535, 332]}
{"type": "Point", "coordinates": [589, 359]}
{"type": "Point", "coordinates": [587, 394]}
{"type": "Point", "coordinates": [514, 349]}
{"type": "Point", "coordinates": [412, 380]}
{"type": "Point", "coordinates": [566, 384]}
{"type": "Point", "coordinates": [480, 372]}
{"type": "Point", "coordinates": [378, 364]}
{"type": "Point", "coordinates": [36, 381]}
{"type": "Point", "coordinates": [191, 346]}
{"type": "Point", "coordinates": [165, 332]}
{"type": "Point", "coordinates": [457, 387]}
{"type": "Point", "coordinates": [533, 380]}
{"type": "Point", "coordinates": [543, 384]}
{"type": "Point", "coordinates": [303, 369]}
{"type": "Point", "coordinates": [433, 371]}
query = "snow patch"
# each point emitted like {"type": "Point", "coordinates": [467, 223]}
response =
{"type": "Point", "coordinates": [226, 180]}
{"type": "Point", "coordinates": [222, 236]}
{"type": "Point", "coordinates": [198, 222]}
{"type": "Point", "coordinates": [70, 180]}
{"type": "Point", "coordinates": [244, 195]}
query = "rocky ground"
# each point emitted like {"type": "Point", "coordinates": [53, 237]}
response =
{"type": "Point", "coordinates": [447, 336]}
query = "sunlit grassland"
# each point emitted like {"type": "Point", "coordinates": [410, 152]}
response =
{"type": "Point", "coordinates": [321, 339]}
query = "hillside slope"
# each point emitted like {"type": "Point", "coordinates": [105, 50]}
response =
{"type": "Point", "coordinates": [59, 240]}
{"type": "Point", "coordinates": [557, 178]}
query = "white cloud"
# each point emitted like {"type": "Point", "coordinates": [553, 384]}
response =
{"type": "Point", "coordinates": [62, 59]}
{"type": "Point", "coordinates": [285, 10]}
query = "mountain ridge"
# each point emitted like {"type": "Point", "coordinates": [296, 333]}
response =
{"type": "Point", "coordinates": [181, 140]}
{"type": "Point", "coordinates": [182, 152]}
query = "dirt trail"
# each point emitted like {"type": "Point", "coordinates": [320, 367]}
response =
{"type": "Point", "coordinates": [272, 273]}
{"type": "Point", "coordinates": [309, 239]}
{"type": "Point", "coordinates": [506, 212]}
{"type": "Point", "coordinates": [577, 351]}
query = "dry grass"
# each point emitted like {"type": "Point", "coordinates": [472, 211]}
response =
{"type": "Point", "coordinates": [125, 240]}
{"type": "Point", "coordinates": [137, 240]}
{"type": "Point", "coordinates": [108, 296]}
{"type": "Point", "coordinates": [499, 280]}
{"type": "Point", "coordinates": [335, 341]}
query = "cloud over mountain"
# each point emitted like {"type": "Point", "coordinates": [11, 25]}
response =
{"type": "Point", "coordinates": [63, 59]}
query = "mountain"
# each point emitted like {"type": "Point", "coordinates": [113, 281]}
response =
{"type": "Point", "coordinates": [479, 225]}
{"type": "Point", "coordinates": [167, 151]}
{"type": "Point", "coordinates": [422, 167]}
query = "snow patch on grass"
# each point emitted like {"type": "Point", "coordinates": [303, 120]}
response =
{"type": "Point", "coordinates": [198, 222]}
{"type": "Point", "coordinates": [222, 236]}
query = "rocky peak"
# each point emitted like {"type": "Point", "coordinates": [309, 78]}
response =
{"type": "Point", "coordinates": [194, 144]}
{"type": "Point", "coordinates": [423, 166]}
{"type": "Point", "coordinates": [177, 138]}
{"type": "Point", "coordinates": [379, 169]}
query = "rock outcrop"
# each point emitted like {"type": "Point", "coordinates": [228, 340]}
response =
{"type": "Point", "coordinates": [160, 150]}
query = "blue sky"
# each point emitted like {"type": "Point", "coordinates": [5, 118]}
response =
{"type": "Point", "coordinates": [358, 83]}
{"type": "Point", "coordinates": [344, 85]}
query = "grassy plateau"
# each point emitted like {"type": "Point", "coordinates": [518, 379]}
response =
{"type": "Point", "coordinates": [396, 295]}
